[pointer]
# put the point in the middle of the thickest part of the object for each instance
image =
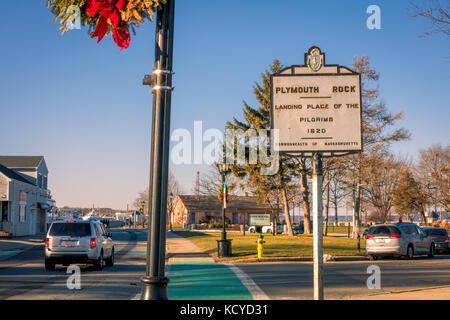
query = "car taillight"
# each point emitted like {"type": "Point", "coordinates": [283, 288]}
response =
{"type": "Point", "coordinates": [369, 236]}
{"type": "Point", "coordinates": [396, 236]}
{"type": "Point", "coordinates": [47, 242]}
{"type": "Point", "coordinates": [70, 221]}
{"type": "Point", "coordinates": [93, 243]}
{"type": "Point", "coordinates": [447, 239]}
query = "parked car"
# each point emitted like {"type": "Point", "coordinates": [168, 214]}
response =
{"type": "Point", "coordinates": [365, 233]}
{"type": "Point", "coordinates": [298, 229]}
{"type": "Point", "coordinates": [440, 238]}
{"type": "Point", "coordinates": [266, 229]}
{"type": "Point", "coordinates": [399, 239]}
{"type": "Point", "coordinates": [78, 241]}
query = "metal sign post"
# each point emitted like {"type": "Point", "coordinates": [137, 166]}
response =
{"type": "Point", "coordinates": [316, 109]}
{"type": "Point", "coordinates": [317, 226]}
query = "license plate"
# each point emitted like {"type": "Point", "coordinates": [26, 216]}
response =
{"type": "Point", "coordinates": [379, 240]}
{"type": "Point", "coordinates": [70, 243]}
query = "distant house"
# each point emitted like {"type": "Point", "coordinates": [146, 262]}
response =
{"type": "Point", "coordinates": [24, 196]}
{"type": "Point", "coordinates": [191, 209]}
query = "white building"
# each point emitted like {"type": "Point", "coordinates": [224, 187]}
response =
{"type": "Point", "coordinates": [24, 197]}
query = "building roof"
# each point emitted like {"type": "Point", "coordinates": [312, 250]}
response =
{"type": "Point", "coordinates": [21, 161]}
{"type": "Point", "coordinates": [13, 175]}
{"type": "Point", "coordinates": [212, 203]}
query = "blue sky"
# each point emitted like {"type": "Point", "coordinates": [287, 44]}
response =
{"type": "Point", "coordinates": [82, 104]}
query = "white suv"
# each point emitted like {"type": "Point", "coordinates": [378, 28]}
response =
{"type": "Point", "coordinates": [77, 241]}
{"type": "Point", "coordinates": [266, 229]}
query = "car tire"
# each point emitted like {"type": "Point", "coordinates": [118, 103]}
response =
{"type": "Point", "coordinates": [252, 230]}
{"type": "Point", "coordinates": [110, 261]}
{"type": "Point", "coordinates": [432, 251]}
{"type": "Point", "coordinates": [269, 231]}
{"type": "Point", "coordinates": [98, 264]}
{"type": "Point", "coordinates": [49, 265]}
{"type": "Point", "coordinates": [410, 252]}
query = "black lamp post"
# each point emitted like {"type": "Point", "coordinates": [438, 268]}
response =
{"type": "Point", "coordinates": [170, 210]}
{"type": "Point", "coordinates": [223, 245]}
{"type": "Point", "coordinates": [154, 284]}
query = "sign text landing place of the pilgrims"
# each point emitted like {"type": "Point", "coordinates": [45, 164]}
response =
{"type": "Point", "coordinates": [316, 107]}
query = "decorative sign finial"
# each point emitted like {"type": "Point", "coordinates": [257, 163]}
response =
{"type": "Point", "coordinates": [315, 59]}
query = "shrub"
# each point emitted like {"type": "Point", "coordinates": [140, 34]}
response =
{"type": "Point", "coordinates": [445, 225]}
{"type": "Point", "coordinates": [436, 224]}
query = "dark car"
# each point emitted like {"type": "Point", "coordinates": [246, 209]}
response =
{"type": "Point", "coordinates": [298, 229]}
{"type": "Point", "coordinates": [440, 238]}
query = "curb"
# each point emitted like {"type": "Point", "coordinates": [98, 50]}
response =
{"type": "Point", "coordinates": [412, 290]}
{"type": "Point", "coordinates": [289, 259]}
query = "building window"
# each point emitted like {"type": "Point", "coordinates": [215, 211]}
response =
{"type": "Point", "coordinates": [39, 180]}
{"type": "Point", "coordinates": [22, 206]}
{"type": "Point", "coordinates": [22, 213]}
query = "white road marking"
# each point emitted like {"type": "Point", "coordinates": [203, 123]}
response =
{"type": "Point", "coordinates": [248, 282]}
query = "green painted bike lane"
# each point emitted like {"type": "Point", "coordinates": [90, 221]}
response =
{"type": "Point", "coordinates": [200, 279]}
{"type": "Point", "coordinates": [204, 280]}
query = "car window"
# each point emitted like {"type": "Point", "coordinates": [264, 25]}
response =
{"type": "Point", "coordinates": [102, 228]}
{"type": "Point", "coordinates": [419, 231]}
{"type": "Point", "coordinates": [383, 230]}
{"type": "Point", "coordinates": [408, 230]}
{"type": "Point", "coordinates": [70, 229]}
{"type": "Point", "coordinates": [411, 230]}
{"type": "Point", "coordinates": [437, 232]}
{"type": "Point", "coordinates": [97, 230]}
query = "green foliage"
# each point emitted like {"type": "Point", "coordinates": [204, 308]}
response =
{"type": "Point", "coordinates": [133, 14]}
{"type": "Point", "coordinates": [406, 196]}
{"type": "Point", "coordinates": [59, 8]}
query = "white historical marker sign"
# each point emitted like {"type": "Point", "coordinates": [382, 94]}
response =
{"type": "Point", "coordinates": [255, 219]}
{"type": "Point", "coordinates": [317, 107]}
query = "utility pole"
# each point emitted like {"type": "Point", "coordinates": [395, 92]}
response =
{"type": "Point", "coordinates": [317, 226]}
{"type": "Point", "coordinates": [155, 281]}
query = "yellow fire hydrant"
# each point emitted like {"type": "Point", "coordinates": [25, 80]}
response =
{"type": "Point", "coordinates": [260, 246]}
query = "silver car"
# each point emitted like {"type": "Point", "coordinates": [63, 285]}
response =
{"type": "Point", "coordinates": [77, 241]}
{"type": "Point", "coordinates": [397, 240]}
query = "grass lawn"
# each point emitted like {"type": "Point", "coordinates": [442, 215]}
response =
{"type": "Point", "coordinates": [280, 246]}
{"type": "Point", "coordinates": [339, 229]}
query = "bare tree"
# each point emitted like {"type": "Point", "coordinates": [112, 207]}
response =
{"type": "Point", "coordinates": [378, 133]}
{"type": "Point", "coordinates": [210, 184]}
{"type": "Point", "coordinates": [173, 188]}
{"type": "Point", "coordinates": [437, 13]}
{"type": "Point", "coordinates": [337, 194]}
{"type": "Point", "coordinates": [433, 174]}
{"type": "Point", "coordinates": [380, 185]}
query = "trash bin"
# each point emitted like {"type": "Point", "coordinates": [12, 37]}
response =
{"type": "Point", "coordinates": [224, 248]}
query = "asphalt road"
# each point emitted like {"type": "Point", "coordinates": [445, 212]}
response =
{"type": "Point", "coordinates": [348, 279]}
{"type": "Point", "coordinates": [24, 277]}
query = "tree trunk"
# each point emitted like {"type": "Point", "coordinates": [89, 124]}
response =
{"type": "Point", "coordinates": [327, 208]}
{"type": "Point", "coordinates": [305, 200]}
{"type": "Point", "coordinates": [287, 217]}
{"type": "Point", "coordinates": [336, 214]}
{"type": "Point", "coordinates": [357, 211]}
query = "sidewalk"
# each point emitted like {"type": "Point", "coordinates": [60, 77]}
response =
{"type": "Point", "coordinates": [16, 245]}
{"type": "Point", "coordinates": [433, 293]}
{"type": "Point", "coordinates": [194, 275]}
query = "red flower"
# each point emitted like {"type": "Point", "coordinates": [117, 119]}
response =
{"type": "Point", "coordinates": [109, 10]}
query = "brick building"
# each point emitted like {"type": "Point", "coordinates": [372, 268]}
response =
{"type": "Point", "coordinates": [191, 209]}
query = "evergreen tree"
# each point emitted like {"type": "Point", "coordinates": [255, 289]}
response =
{"type": "Point", "coordinates": [264, 186]}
